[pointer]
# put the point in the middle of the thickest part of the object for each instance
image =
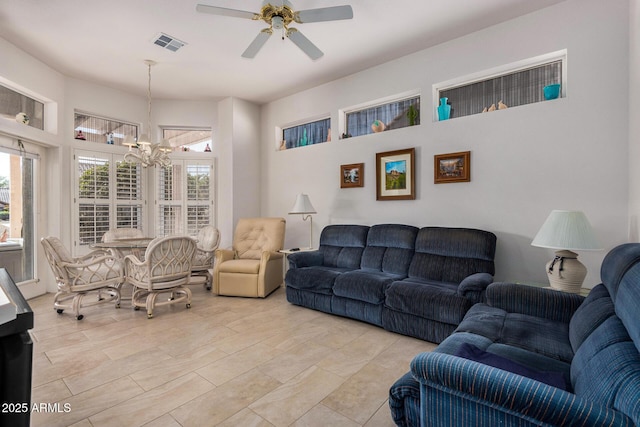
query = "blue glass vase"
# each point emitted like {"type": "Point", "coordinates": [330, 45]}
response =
{"type": "Point", "coordinates": [444, 109]}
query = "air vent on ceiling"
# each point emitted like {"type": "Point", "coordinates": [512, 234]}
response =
{"type": "Point", "coordinates": [168, 42]}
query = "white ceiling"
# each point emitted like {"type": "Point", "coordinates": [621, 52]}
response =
{"type": "Point", "coordinates": [107, 41]}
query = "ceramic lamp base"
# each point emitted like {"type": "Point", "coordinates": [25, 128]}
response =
{"type": "Point", "coordinates": [566, 273]}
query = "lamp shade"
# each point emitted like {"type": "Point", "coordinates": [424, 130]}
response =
{"type": "Point", "coordinates": [302, 205]}
{"type": "Point", "coordinates": [165, 146]}
{"type": "Point", "coordinates": [129, 141]}
{"type": "Point", "coordinates": [566, 230]}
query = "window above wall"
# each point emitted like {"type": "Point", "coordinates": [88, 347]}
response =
{"type": "Point", "coordinates": [188, 139]}
{"type": "Point", "coordinates": [102, 130]}
{"type": "Point", "coordinates": [13, 103]}
{"type": "Point", "coordinates": [304, 134]}
{"type": "Point", "coordinates": [507, 86]}
{"type": "Point", "coordinates": [382, 115]}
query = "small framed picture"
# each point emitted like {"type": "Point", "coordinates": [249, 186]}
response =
{"type": "Point", "coordinates": [352, 175]}
{"type": "Point", "coordinates": [395, 175]}
{"type": "Point", "coordinates": [452, 167]}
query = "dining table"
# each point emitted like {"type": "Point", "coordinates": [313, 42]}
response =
{"type": "Point", "coordinates": [125, 246]}
{"type": "Point", "coordinates": [120, 248]}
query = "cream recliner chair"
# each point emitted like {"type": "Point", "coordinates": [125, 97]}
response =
{"type": "Point", "coordinates": [254, 267]}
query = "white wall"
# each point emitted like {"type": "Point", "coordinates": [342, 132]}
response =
{"type": "Point", "coordinates": [634, 125]}
{"type": "Point", "coordinates": [569, 153]}
{"type": "Point", "coordinates": [238, 153]}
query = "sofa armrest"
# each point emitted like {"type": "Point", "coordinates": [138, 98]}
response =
{"type": "Point", "coordinates": [533, 301]}
{"type": "Point", "coordinates": [487, 396]}
{"type": "Point", "coordinates": [305, 259]}
{"type": "Point", "coordinates": [475, 284]}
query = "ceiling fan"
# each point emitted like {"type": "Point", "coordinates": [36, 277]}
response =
{"type": "Point", "coordinates": [279, 18]}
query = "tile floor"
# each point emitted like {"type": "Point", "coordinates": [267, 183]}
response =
{"type": "Point", "coordinates": [226, 361]}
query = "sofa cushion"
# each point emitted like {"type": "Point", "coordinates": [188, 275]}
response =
{"type": "Point", "coordinates": [429, 300]}
{"type": "Point", "coordinates": [524, 357]}
{"type": "Point", "coordinates": [389, 248]}
{"type": "Point", "coordinates": [606, 369]}
{"type": "Point", "coordinates": [535, 334]}
{"type": "Point", "coordinates": [362, 285]}
{"type": "Point", "coordinates": [471, 352]}
{"type": "Point", "coordinates": [342, 245]}
{"type": "Point", "coordinates": [595, 309]}
{"type": "Point", "coordinates": [451, 254]}
{"type": "Point", "coordinates": [313, 279]}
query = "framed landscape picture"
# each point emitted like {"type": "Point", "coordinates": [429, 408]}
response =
{"type": "Point", "coordinates": [352, 175]}
{"type": "Point", "coordinates": [395, 175]}
{"type": "Point", "coordinates": [452, 167]}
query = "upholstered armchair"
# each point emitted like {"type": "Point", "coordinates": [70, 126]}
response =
{"type": "Point", "coordinates": [207, 242]}
{"type": "Point", "coordinates": [253, 267]}
{"type": "Point", "coordinates": [97, 272]}
{"type": "Point", "coordinates": [166, 269]}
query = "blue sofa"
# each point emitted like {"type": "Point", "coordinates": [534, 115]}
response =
{"type": "Point", "coordinates": [417, 282]}
{"type": "Point", "coordinates": [538, 357]}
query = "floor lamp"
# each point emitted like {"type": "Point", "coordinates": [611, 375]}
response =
{"type": "Point", "coordinates": [303, 207]}
{"type": "Point", "coordinates": [566, 231]}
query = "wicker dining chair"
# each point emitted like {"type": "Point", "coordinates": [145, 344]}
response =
{"type": "Point", "coordinates": [166, 269]}
{"type": "Point", "coordinates": [207, 241]}
{"type": "Point", "coordinates": [97, 272]}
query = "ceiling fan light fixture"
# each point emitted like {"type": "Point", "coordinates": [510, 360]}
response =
{"type": "Point", "coordinates": [279, 17]}
{"type": "Point", "coordinates": [277, 22]}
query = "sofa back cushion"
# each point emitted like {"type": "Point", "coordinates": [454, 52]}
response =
{"type": "Point", "coordinates": [605, 335]}
{"type": "Point", "coordinates": [342, 245]}
{"type": "Point", "coordinates": [256, 235]}
{"type": "Point", "coordinates": [594, 310]}
{"type": "Point", "coordinates": [389, 248]}
{"type": "Point", "coordinates": [451, 254]}
{"type": "Point", "coordinates": [620, 274]}
{"type": "Point", "coordinates": [606, 369]}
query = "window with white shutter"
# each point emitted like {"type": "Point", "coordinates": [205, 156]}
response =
{"type": "Point", "coordinates": [109, 194]}
{"type": "Point", "coordinates": [177, 214]}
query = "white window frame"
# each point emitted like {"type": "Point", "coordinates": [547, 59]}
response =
{"type": "Point", "coordinates": [112, 202]}
{"type": "Point", "coordinates": [342, 113]}
{"type": "Point", "coordinates": [492, 73]}
{"type": "Point", "coordinates": [183, 203]}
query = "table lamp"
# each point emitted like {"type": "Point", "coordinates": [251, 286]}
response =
{"type": "Point", "coordinates": [566, 231]}
{"type": "Point", "coordinates": [303, 207]}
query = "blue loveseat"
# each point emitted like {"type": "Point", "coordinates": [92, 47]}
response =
{"type": "Point", "coordinates": [577, 359]}
{"type": "Point", "coordinates": [417, 282]}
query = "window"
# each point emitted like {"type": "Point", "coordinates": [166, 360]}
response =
{"type": "Point", "coordinates": [13, 103]}
{"type": "Point", "coordinates": [110, 194]}
{"type": "Point", "coordinates": [17, 213]}
{"type": "Point", "coordinates": [514, 85]}
{"type": "Point", "coordinates": [306, 134]}
{"type": "Point", "coordinates": [377, 118]}
{"type": "Point", "coordinates": [184, 197]}
{"type": "Point", "coordinates": [101, 130]}
{"type": "Point", "coordinates": [188, 139]}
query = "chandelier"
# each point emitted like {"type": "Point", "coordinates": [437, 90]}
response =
{"type": "Point", "coordinates": [148, 153]}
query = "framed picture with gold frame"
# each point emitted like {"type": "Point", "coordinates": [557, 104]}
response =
{"type": "Point", "coordinates": [352, 175]}
{"type": "Point", "coordinates": [395, 175]}
{"type": "Point", "coordinates": [452, 167]}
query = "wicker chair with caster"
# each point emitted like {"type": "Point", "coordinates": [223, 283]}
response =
{"type": "Point", "coordinates": [98, 272]}
{"type": "Point", "coordinates": [165, 271]}
{"type": "Point", "coordinates": [208, 239]}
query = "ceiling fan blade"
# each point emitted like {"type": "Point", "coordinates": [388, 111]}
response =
{"type": "Point", "coordinates": [257, 43]}
{"type": "Point", "coordinates": [304, 43]}
{"type": "Point", "coordinates": [334, 13]}
{"type": "Point", "coordinates": [214, 10]}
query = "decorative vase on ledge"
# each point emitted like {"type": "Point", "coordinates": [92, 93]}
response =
{"type": "Point", "coordinates": [444, 109]}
